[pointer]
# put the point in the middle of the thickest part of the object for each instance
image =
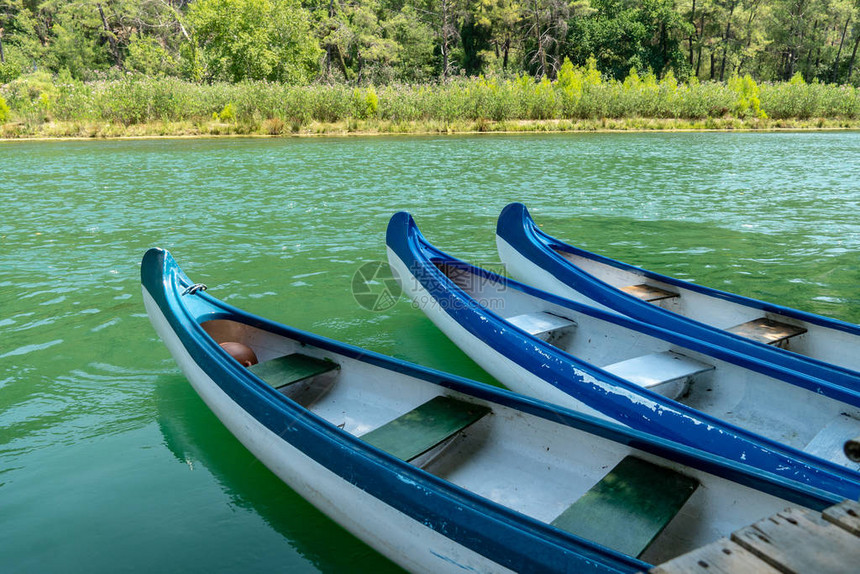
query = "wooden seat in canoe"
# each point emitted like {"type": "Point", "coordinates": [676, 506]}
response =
{"type": "Point", "coordinates": [667, 373]}
{"type": "Point", "coordinates": [542, 325]}
{"type": "Point", "coordinates": [767, 331]}
{"type": "Point", "coordinates": [416, 432]}
{"type": "Point", "coordinates": [648, 293]}
{"type": "Point", "coordinates": [290, 369]}
{"type": "Point", "coordinates": [629, 507]}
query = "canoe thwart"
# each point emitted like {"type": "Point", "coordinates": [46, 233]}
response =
{"type": "Point", "coordinates": [289, 369]}
{"type": "Point", "coordinates": [629, 507]}
{"type": "Point", "coordinates": [667, 373]}
{"type": "Point", "coordinates": [542, 325]}
{"type": "Point", "coordinates": [648, 293]}
{"type": "Point", "coordinates": [768, 331]}
{"type": "Point", "coordinates": [416, 432]}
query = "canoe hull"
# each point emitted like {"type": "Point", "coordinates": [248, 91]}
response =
{"type": "Point", "coordinates": [486, 500]}
{"type": "Point", "coordinates": [529, 365]}
{"type": "Point", "coordinates": [393, 533]}
{"type": "Point", "coordinates": [521, 267]}
{"type": "Point", "coordinates": [827, 350]}
{"type": "Point", "coordinates": [514, 376]}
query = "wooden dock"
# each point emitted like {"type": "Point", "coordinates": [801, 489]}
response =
{"type": "Point", "coordinates": [794, 541]}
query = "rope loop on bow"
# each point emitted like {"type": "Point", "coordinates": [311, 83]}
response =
{"type": "Point", "coordinates": [194, 289]}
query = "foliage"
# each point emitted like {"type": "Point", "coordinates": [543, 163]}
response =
{"type": "Point", "coordinates": [278, 66]}
{"type": "Point", "coordinates": [32, 97]}
{"type": "Point", "coordinates": [747, 102]}
{"type": "Point", "coordinates": [252, 40]}
{"type": "Point", "coordinates": [227, 114]}
{"type": "Point", "coordinates": [4, 111]}
{"type": "Point", "coordinates": [14, 65]}
{"type": "Point", "coordinates": [363, 42]}
{"type": "Point", "coordinates": [149, 57]}
{"type": "Point", "coordinates": [581, 93]}
{"type": "Point", "coordinates": [626, 35]}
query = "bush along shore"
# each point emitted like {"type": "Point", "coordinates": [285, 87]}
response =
{"type": "Point", "coordinates": [39, 105]}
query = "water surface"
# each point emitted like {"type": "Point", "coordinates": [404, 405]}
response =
{"type": "Point", "coordinates": [110, 462]}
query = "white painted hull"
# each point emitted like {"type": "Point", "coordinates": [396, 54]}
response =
{"type": "Point", "coordinates": [754, 401]}
{"type": "Point", "coordinates": [390, 532]}
{"type": "Point", "coordinates": [485, 499]}
{"type": "Point", "coordinates": [821, 341]}
{"type": "Point", "coordinates": [525, 270]}
{"type": "Point", "coordinates": [501, 367]}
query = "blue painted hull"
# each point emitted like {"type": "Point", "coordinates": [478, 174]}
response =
{"type": "Point", "coordinates": [516, 228]}
{"type": "Point", "coordinates": [471, 524]}
{"type": "Point", "coordinates": [596, 390]}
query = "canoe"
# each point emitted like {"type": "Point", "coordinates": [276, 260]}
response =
{"type": "Point", "coordinates": [442, 474]}
{"type": "Point", "coordinates": [612, 366]}
{"type": "Point", "coordinates": [808, 343]}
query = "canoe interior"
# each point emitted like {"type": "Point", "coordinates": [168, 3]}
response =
{"type": "Point", "coordinates": [535, 466]}
{"type": "Point", "coordinates": [757, 402]}
{"type": "Point", "coordinates": [735, 315]}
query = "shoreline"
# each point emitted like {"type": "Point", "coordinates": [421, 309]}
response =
{"type": "Point", "coordinates": [79, 131]}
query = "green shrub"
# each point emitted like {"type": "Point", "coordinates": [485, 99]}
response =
{"type": "Point", "coordinates": [4, 111]}
{"type": "Point", "coordinates": [747, 102]}
{"type": "Point", "coordinates": [228, 113]}
{"type": "Point", "coordinates": [578, 94]}
{"type": "Point", "coordinates": [9, 71]}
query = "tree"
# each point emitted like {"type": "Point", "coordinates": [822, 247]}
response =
{"type": "Point", "coordinates": [545, 27]}
{"type": "Point", "coordinates": [475, 38]}
{"type": "Point", "coordinates": [235, 40]}
{"type": "Point", "coordinates": [13, 25]}
{"type": "Point", "coordinates": [445, 19]}
{"type": "Point", "coordinates": [503, 19]}
{"type": "Point", "coordinates": [729, 6]}
{"type": "Point", "coordinates": [74, 38]}
{"type": "Point", "coordinates": [623, 34]}
{"type": "Point", "coordinates": [416, 41]}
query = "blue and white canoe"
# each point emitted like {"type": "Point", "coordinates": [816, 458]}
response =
{"type": "Point", "coordinates": [442, 474]}
{"type": "Point", "coordinates": [804, 342]}
{"type": "Point", "coordinates": [608, 365]}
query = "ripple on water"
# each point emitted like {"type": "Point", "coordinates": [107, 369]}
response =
{"type": "Point", "coordinates": [742, 212]}
{"type": "Point", "coordinates": [26, 349]}
{"type": "Point", "coordinates": [97, 400]}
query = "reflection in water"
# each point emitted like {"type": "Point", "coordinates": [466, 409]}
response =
{"type": "Point", "coordinates": [197, 438]}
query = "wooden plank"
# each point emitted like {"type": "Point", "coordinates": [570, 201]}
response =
{"type": "Point", "coordinates": [629, 507]}
{"type": "Point", "coordinates": [648, 293]}
{"type": "Point", "coordinates": [767, 331]}
{"type": "Point", "coordinates": [720, 557]}
{"type": "Point", "coordinates": [292, 368]}
{"type": "Point", "coordinates": [419, 430]}
{"type": "Point", "coordinates": [800, 541]}
{"type": "Point", "coordinates": [845, 515]}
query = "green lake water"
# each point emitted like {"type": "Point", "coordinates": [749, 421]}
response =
{"type": "Point", "coordinates": [109, 462]}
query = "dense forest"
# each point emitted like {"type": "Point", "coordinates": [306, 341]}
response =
{"type": "Point", "coordinates": [385, 42]}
